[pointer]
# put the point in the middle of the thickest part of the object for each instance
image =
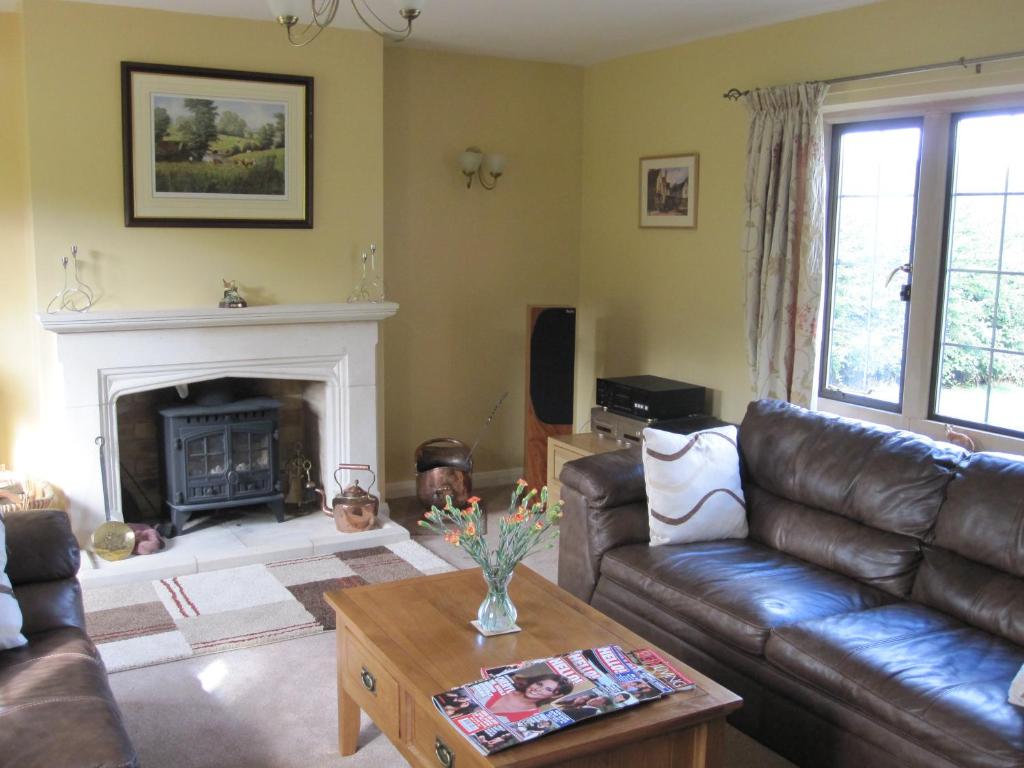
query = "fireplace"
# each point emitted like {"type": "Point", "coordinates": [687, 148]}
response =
{"type": "Point", "coordinates": [221, 457]}
{"type": "Point", "coordinates": [105, 356]}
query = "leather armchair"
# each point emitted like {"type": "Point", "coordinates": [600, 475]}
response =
{"type": "Point", "coordinates": [56, 707]}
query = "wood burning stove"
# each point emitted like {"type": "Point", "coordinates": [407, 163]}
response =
{"type": "Point", "coordinates": [221, 456]}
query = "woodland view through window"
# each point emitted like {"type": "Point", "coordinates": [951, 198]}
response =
{"type": "Point", "coordinates": [976, 370]}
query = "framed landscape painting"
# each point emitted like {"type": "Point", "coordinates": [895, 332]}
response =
{"type": "Point", "coordinates": [668, 191]}
{"type": "Point", "coordinates": [216, 148]}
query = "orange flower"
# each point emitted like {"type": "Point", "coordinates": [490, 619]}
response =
{"type": "Point", "coordinates": [452, 538]}
{"type": "Point", "coordinates": [471, 530]}
{"type": "Point", "coordinates": [473, 500]}
{"type": "Point", "coordinates": [521, 483]}
{"type": "Point", "coordinates": [518, 517]}
{"type": "Point", "coordinates": [539, 525]}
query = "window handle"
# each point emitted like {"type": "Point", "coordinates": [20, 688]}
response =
{"type": "Point", "coordinates": [901, 268]}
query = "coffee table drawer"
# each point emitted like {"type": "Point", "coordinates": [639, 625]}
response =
{"type": "Point", "coordinates": [439, 745]}
{"type": "Point", "coordinates": [370, 685]}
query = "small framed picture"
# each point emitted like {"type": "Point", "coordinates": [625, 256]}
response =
{"type": "Point", "coordinates": [668, 191]}
{"type": "Point", "coordinates": [216, 148]}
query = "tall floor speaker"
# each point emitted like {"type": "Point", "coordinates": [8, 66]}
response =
{"type": "Point", "coordinates": [551, 332]}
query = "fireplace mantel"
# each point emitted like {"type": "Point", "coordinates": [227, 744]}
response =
{"type": "Point", "coordinates": [167, 319]}
{"type": "Point", "coordinates": [106, 355]}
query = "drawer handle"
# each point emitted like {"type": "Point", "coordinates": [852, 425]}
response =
{"type": "Point", "coordinates": [444, 755]}
{"type": "Point", "coordinates": [369, 681]}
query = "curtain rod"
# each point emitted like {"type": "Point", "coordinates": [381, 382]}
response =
{"type": "Point", "coordinates": [735, 93]}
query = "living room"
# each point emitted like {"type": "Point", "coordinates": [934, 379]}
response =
{"type": "Point", "coordinates": [571, 105]}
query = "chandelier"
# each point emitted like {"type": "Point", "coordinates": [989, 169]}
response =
{"type": "Point", "coordinates": [289, 14]}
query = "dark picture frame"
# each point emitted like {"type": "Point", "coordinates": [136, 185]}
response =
{"type": "Point", "coordinates": [668, 191]}
{"type": "Point", "coordinates": [182, 170]}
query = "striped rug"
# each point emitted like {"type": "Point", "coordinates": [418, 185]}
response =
{"type": "Point", "coordinates": [151, 622]}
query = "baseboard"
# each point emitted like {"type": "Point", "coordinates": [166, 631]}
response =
{"type": "Point", "coordinates": [402, 488]}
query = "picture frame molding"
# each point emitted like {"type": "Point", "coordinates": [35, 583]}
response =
{"type": "Point", "coordinates": [131, 219]}
{"type": "Point", "coordinates": [694, 190]}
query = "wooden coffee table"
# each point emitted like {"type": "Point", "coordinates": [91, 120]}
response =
{"type": "Point", "coordinates": [401, 642]}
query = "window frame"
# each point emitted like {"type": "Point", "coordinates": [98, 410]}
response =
{"type": "Point", "coordinates": [955, 118]}
{"type": "Point", "coordinates": [936, 109]}
{"type": "Point", "coordinates": [839, 130]}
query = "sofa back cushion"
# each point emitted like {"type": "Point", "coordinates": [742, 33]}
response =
{"type": "Point", "coordinates": [850, 496]}
{"type": "Point", "coordinates": [974, 567]}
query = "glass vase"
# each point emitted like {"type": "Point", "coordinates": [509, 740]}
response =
{"type": "Point", "coordinates": [497, 613]}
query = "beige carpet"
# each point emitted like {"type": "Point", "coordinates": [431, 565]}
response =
{"type": "Point", "coordinates": [275, 706]}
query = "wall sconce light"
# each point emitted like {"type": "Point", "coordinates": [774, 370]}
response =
{"type": "Point", "coordinates": [475, 163]}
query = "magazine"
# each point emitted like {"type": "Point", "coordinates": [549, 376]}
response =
{"type": "Point", "coordinates": [649, 660]}
{"type": "Point", "coordinates": [652, 661]}
{"type": "Point", "coordinates": [515, 703]}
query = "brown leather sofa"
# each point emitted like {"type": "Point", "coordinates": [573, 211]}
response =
{"type": "Point", "coordinates": [56, 708]}
{"type": "Point", "coordinates": [873, 618]}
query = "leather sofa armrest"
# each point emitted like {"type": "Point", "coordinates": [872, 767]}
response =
{"type": "Point", "coordinates": [605, 506]}
{"type": "Point", "coordinates": [40, 546]}
{"type": "Point", "coordinates": [49, 605]}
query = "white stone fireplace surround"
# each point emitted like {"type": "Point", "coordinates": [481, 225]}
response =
{"type": "Point", "coordinates": [105, 355]}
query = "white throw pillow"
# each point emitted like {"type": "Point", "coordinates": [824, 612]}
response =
{"type": "Point", "coordinates": [10, 612]}
{"type": "Point", "coordinates": [693, 486]}
{"type": "Point", "coordinates": [1017, 689]}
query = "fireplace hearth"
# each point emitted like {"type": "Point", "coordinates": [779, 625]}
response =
{"type": "Point", "coordinates": [221, 457]}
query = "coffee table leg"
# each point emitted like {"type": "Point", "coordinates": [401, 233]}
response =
{"type": "Point", "coordinates": [348, 722]}
{"type": "Point", "coordinates": [348, 709]}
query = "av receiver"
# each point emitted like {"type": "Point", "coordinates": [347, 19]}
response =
{"type": "Point", "coordinates": [650, 397]}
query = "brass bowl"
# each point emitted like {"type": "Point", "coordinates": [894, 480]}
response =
{"type": "Point", "coordinates": [113, 541]}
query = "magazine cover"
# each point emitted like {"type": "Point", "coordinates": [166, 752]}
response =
{"type": "Point", "coordinates": [647, 659]}
{"type": "Point", "coordinates": [653, 662]}
{"type": "Point", "coordinates": [529, 701]}
{"type": "Point", "coordinates": [612, 662]}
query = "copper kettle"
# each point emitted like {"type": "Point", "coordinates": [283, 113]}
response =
{"type": "Point", "coordinates": [355, 508]}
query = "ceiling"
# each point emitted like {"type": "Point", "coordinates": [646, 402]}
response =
{"type": "Point", "coordinates": [566, 31]}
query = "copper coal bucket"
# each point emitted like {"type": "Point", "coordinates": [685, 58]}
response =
{"type": "Point", "coordinates": [444, 467]}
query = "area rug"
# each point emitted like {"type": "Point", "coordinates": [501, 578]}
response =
{"type": "Point", "coordinates": [151, 622]}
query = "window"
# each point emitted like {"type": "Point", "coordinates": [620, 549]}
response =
{"type": "Point", "coordinates": [924, 301]}
{"type": "Point", "coordinates": [874, 204]}
{"type": "Point", "coordinates": [981, 360]}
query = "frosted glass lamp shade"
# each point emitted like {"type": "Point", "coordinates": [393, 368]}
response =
{"type": "Point", "coordinates": [411, 5]}
{"type": "Point", "coordinates": [494, 164]}
{"type": "Point", "coordinates": [470, 161]}
{"type": "Point", "coordinates": [287, 8]}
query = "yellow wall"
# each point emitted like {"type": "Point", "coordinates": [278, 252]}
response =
{"type": "Point", "coordinates": [73, 52]}
{"type": "Point", "coordinates": [464, 264]}
{"type": "Point", "coordinates": [18, 334]}
{"type": "Point", "coordinates": [670, 302]}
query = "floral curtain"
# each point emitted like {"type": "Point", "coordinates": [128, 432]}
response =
{"type": "Point", "coordinates": [784, 240]}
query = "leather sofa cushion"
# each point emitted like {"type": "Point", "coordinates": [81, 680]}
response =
{"type": "Point", "coordinates": [975, 567]}
{"type": "Point", "coordinates": [57, 706]}
{"type": "Point", "coordinates": [983, 515]}
{"type": "Point", "coordinates": [981, 596]}
{"type": "Point", "coordinates": [882, 559]}
{"type": "Point", "coordinates": [737, 590]}
{"type": "Point", "coordinates": [890, 480]}
{"type": "Point", "coordinates": [917, 671]}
